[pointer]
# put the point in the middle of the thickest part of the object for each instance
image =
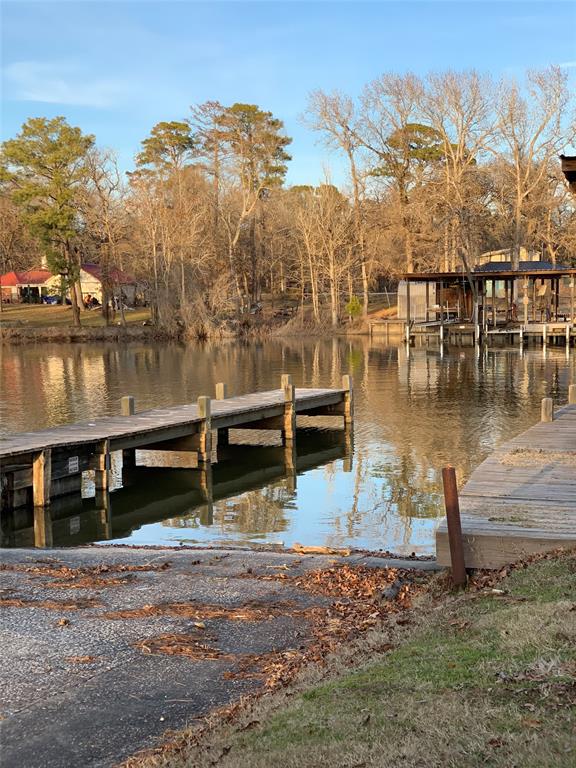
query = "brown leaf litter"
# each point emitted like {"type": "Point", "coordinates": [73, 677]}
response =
{"type": "Point", "coordinates": [251, 611]}
{"type": "Point", "coordinates": [192, 645]}
{"type": "Point", "coordinates": [359, 604]}
{"type": "Point", "coordinates": [51, 605]}
{"type": "Point", "coordinates": [85, 577]}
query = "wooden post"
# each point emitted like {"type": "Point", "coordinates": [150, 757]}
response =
{"type": "Point", "coordinates": [556, 297]}
{"type": "Point", "coordinates": [547, 409]}
{"type": "Point", "coordinates": [572, 299]}
{"type": "Point", "coordinates": [42, 478]}
{"type": "Point", "coordinates": [348, 399]}
{"type": "Point", "coordinates": [289, 431]}
{"type": "Point", "coordinates": [128, 405]}
{"type": "Point", "coordinates": [427, 300]}
{"type": "Point", "coordinates": [222, 394]}
{"type": "Point", "coordinates": [128, 408]}
{"type": "Point", "coordinates": [525, 301]}
{"type": "Point", "coordinates": [205, 448]}
{"type": "Point", "coordinates": [101, 464]}
{"type": "Point", "coordinates": [493, 303]}
{"type": "Point", "coordinates": [408, 313]}
{"type": "Point", "coordinates": [441, 311]}
{"type": "Point", "coordinates": [572, 394]}
{"type": "Point", "coordinates": [454, 526]}
{"type": "Point", "coordinates": [545, 334]}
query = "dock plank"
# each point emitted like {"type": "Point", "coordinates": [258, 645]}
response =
{"type": "Point", "coordinates": [521, 499]}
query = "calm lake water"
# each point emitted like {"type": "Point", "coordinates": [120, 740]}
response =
{"type": "Point", "coordinates": [414, 413]}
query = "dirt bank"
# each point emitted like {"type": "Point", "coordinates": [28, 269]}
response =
{"type": "Point", "coordinates": [23, 335]}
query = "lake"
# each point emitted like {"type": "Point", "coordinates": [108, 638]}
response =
{"type": "Point", "coordinates": [415, 412]}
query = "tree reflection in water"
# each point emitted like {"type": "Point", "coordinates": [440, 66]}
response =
{"type": "Point", "coordinates": [416, 411]}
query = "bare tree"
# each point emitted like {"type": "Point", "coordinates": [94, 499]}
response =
{"type": "Point", "coordinates": [532, 132]}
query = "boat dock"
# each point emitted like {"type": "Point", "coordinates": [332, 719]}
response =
{"type": "Point", "coordinates": [522, 499]}
{"type": "Point", "coordinates": [37, 467]}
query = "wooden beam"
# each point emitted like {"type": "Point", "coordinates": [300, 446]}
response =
{"type": "Point", "coordinates": [42, 478]}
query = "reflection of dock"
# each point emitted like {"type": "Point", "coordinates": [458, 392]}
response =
{"type": "Point", "coordinates": [154, 494]}
{"type": "Point", "coordinates": [522, 499]}
{"type": "Point", "coordinates": [37, 467]}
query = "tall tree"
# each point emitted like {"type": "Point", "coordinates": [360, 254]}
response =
{"type": "Point", "coordinates": [168, 148]}
{"type": "Point", "coordinates": [46, 166]}
{"type": "Point", "coordinates": [334, 116]}
{"type": "Point", "coordinates": [532, 131]}
{"type": "Point", "coordinates": [256, 148]}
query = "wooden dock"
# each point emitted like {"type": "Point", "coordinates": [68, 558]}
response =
{"type": "Point", "coordinates": [522, 499]}
{"type": "Point", "coordinates": [36, 467]}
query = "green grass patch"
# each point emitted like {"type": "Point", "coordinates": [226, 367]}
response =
{"type": "Point", "coordinates": [482, 680]}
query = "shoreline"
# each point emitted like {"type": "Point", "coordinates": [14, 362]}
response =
{"type": "Point", "coordinates": [22, 335]}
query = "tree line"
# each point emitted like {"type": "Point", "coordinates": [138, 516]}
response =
{"type": "Point", "coordinates": [439, 170]}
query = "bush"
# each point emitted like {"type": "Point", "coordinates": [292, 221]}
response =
{"type": "Point", "coordinates": [353, 307]}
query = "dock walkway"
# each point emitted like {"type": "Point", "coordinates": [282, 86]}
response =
{"type": "Point", "coordinates": [50, 462]}
{"type": "Point", "coordinates": [520, 500]}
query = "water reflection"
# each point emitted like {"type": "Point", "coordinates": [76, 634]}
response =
{"type": "Point", "coordinates": [417, 409]}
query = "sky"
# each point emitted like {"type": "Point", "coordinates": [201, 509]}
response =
{"type": "Point", "coordinates": [117, 68]}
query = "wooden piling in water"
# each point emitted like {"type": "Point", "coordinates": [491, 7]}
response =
{"type": "Point", "coordinates": [101, 466]}
{"type": "Point", "coordinates": [205, 446]}
{"type": "Point", "coordinates": [128, 408]}
{"type": "Point", "coordinates": [42, 478]}
{"type": "Point", "coordinates": [289, 429]}
{"type": "Point", "coordinates": [454, 526]}
{"type": "Point", "coordinates": [572, 394]}
{"type": "Point", "coordinates": [222, 394]}
{"type": "Point", "coordinates": [547, 410]}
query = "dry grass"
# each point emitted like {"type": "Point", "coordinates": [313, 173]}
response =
{"type": "Point", "coordinates": [483, 678]}
{"type": "Point", "coordinates": [44, 316]}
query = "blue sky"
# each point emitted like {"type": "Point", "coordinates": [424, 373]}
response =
{"type": "Point", "coordinates": [117, 68]}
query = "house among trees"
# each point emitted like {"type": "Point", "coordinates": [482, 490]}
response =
{"type": "Point", "coordinates": [33, 285]}
{"type": "Point", "coordinates": [24, 286]}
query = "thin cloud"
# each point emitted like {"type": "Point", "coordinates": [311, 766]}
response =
{"type": "Point", "coordinates": [60, 84]}
{"type": "Point", "coordinates": [567, 64]}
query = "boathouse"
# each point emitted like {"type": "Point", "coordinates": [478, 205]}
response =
{"type": "Point", "coordinates": [536, 299]}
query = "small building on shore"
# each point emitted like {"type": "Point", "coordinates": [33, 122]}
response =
{"type": "Point", "coordinates": [27, 285]}
{"type": "Point", "coordinates": [33, 285]}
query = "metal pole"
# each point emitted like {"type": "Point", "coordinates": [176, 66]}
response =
{"type": "Point", "coordinates": [454, 526]}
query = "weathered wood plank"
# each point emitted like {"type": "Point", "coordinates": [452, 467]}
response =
{"type": "Point", "coordinates": [522, 499]}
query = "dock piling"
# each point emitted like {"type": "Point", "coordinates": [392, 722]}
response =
{"type": "Point", "coordinates": [289, 430]}
{"type": "Point", "coordinates": [547, 410]}
{"type": "Point", "coordinates": [205, 447]}
{"type": "Point", "coordinates": [572, 394]}
{"type": "Point", "coordinates": [128, 408]}
{"type": "Point", "coordinates": [42, 478]}
{"type": "Point", "coordinates": [128, 405]}
{"type": "Point", "coordinates": [101, 464]}
{"type": "Point", "coordinates": [454, 526]}
{"type": "Point", "coordinates": [223, 434]}
{"type": "Point", "coordinates": [347, 386]}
